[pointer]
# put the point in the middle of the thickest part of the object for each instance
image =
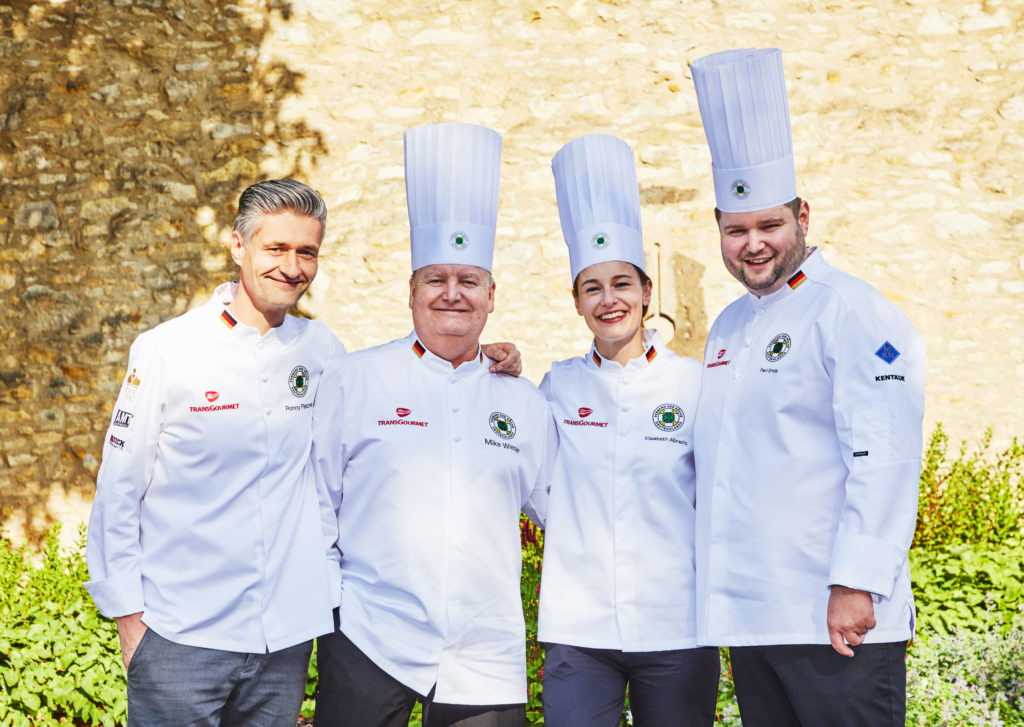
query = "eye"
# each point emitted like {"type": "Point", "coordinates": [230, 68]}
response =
{"type": "Point", "coordinates": [591, 289]}
{"type": "Point", "coordinates": [623, 284]}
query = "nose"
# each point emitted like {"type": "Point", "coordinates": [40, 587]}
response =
{"type": "Point", "coordinates": [451, 290]}
{"type": "Point", "coordinates": [754, 241]}
{"type": "Point", "coordinates": [608, 296]}
{"type": "Point", "coordinates": [290, 264]}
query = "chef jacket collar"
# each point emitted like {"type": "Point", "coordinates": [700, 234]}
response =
{"type": "Point", "coordinates": [808, 268]}
{"type": "Point", "coordinates": [219, 302]}
{"type": "Point", "coordinates": [440, 365]}
{"type": "Point", "coordinates": [652, 346]}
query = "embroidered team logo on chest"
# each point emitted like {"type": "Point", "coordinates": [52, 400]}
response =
{"type": "Point", "coordinates": [298, 381]}
{"type": "Point", "coordinates": [668, 417]}
{"type": "Point", "coordinates": [778, 347]}
{"type": "Point", "coordinates": [502, 425]}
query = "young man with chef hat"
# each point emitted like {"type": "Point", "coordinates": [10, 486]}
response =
{"type": "Point", "coordinates": [429, 459]}
{"type": "Point", "coordinates": [808, 439]}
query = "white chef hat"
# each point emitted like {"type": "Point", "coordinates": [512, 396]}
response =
{"type": "Point", "coordinates": [451, 186]}
{"type": "Point", "coordinates": [598, 201]}
{"type": "Point", "coordinates": [742, 99]}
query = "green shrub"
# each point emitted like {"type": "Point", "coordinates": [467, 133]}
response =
{"type": "Point", "coordinates": [971, 499]}
{"type": "Point", "coordinates": [968, 678]}
{"type": "Point", "coordinates": [960, 587]}
{"type": "Point", "coordinates": [59, 659]}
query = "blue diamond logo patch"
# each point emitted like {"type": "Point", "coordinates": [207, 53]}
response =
{"type": "Point", "coordinates": [887, 353]}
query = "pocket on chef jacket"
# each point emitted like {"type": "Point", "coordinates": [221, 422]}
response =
{"type": "Point", "coordinates": [871, 435]}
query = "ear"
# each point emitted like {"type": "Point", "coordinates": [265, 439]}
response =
{"type": "Point", "coordinates": [576, 302]}
{"type": "Point", "coordinates": [804, 218]}
{"type": "Point", "coordinates": [490, 297]}
{"type": "Point", "coordinates": [237, 247]}
{"type": "Point", "coordinates": [648, 290]}
{"type": "Point", "coordinates": [412, 289]}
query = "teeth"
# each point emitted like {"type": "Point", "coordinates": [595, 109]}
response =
{"type": "Point", "coordinates": [609, 316]}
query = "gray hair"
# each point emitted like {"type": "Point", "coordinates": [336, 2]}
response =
{"type": "Point", "coordinates": [277, 195]}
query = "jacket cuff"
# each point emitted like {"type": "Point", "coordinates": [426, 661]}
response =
{"type": "Point", "coordinates": [117, 596]}
{"type": "Point", "coordinates": [866, 564]}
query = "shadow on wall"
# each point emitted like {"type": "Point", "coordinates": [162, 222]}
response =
{"type": "Point", "coordinates": [127, 130]}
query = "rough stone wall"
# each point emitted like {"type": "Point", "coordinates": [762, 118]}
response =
{"type": "Point", "coordinates": [908, 125]}
{"type": "Point", "coordinates": [127, 130]}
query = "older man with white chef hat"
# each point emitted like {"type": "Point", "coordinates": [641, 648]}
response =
{"type": "Point", "coordinates": [429, 459]}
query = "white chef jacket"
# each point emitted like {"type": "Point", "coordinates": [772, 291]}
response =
{"type": "Point", "coordinates": [206, 515]}
{"type": "Point", "coordinates": [808, 452]}
{"type": "Point", "coordinates": [429, 467]}
{"type": "Point", "coordinates": [618, 547]}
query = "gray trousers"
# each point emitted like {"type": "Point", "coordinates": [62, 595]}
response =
{"type": "Point", "coordinates": [814, 686]}
{"type": "Point", "coordinates": [587, 687]}
{"type": "Point", "coordinates": [172, 685]}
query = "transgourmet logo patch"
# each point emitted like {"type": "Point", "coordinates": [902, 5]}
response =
{"type": "Point", "coordinates": [298, 381]}
{"type": "Point", "coordinates": [778, 347]}
{"type": "Point", "coordinates": [887, 353]}
{"type": "Point", "coordinates": [718, 360]}
{"type": "Point", "coordinates": [403, 420]}
{"type": "Point", "coordinates": [584, 420]}
{"type": "Point", "coordinates": [502, 425]}
{"type": "Point", "coordinates": [668, 417]}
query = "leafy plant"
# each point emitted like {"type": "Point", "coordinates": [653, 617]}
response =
{"type": "Point", "coordinates": [968, 678]}
{"type": "Point", "coordinates": [59, 659]}
{"type": "Point", "coordinates": [959, 587]}
{"type": "Point", "coordinates": [972, 498]}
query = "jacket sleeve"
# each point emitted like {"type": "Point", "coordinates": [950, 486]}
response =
{"type": "Point", "coordinates": [878, 371]}
{"type": "Point", "coordinates": [536, 503]}
{"type": "Point", "coordinates": [328, 463]}
{"type": "Point", "coordinates": [113, 552]}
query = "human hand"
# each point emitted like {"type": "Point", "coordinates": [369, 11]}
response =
{"type": "Point", "coordinates": [851, 614]}
{"type": "Point", "coordinates": [130, 630]}
{"type": "Point", "coordinates": [507, 358]}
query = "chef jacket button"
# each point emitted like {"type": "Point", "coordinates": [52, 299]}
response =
{"type": "Point", "coordinates": [625, 407]}
{"type": "Point", "coordinates": [747, 342]}
{"type": "Point", "coordinates": [455, 409]}
{"type": "Point", "coordinates": [622, 432]}
{"type": "Point", "coordinates": [266, 379]}
{"type": "Point", "coordinates": [267, 412]}
{"type": "Point", "coordinates": [457, 437]}
{"type": "Point", "coordinates": [452, 378]}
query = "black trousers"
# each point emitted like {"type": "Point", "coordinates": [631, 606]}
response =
{"type": "Point", "coordinates": [587, 687]}
{"type": "Point", "coordinates": [355, 692]}
{"type": "Point", "coordinates": [813, 686]}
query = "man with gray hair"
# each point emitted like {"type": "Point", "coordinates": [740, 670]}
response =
{"type": "Point", "coordinates": [205, 541]}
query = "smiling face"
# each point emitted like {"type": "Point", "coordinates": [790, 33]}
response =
{"type": "Point", "coordinates": [610, 296]}
{"type": "Point", "coordinates": [763, 249]}
{"type": "Point", "coordinates": [277, 265]}
{"type": "Point", "coordinates": [450, 305]}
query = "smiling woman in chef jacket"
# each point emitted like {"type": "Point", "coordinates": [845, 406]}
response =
{"type": "Point", "coordinates": [618, 589]}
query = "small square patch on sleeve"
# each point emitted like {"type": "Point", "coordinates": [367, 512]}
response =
{"type": "Point", "coordinates": [887, 353]}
